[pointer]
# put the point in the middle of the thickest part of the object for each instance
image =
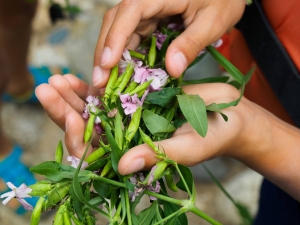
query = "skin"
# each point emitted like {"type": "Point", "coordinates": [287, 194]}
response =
{"type": "Point", "coordinates": [252, 135]}
{"type": "Point", "coordinates": [205, 22]}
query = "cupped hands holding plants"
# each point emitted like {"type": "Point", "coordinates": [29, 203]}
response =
{"type": "Point", "coordinates": [129, 21]}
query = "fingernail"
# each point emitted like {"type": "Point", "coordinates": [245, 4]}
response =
{"type": "Point", "coordinates": [97, 75]}
{"type": "Point", "coordinates": [180, 61]}
{"type": "Point", "coordinates": [106, 55]}
{"type": "Point", "coordinates": [135, 165]}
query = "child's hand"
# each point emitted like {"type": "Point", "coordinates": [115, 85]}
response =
{"type": "Point", "coordinates": [124, 25]}
{"type": "Point", "coordinates": [64, 99]}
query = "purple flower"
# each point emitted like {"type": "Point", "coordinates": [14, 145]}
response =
{"type": "Point", "coordinates": [19, 193]}
{"type": "Point", "coordinates": [175, 26]}
{"type": "Point", "coordinates": [91, 107]}
{"type": "Point", "coordinates": [140, 75]}
{"type": "Point", "coordinates": [137, 178]}
{"type": "Point", "coordinates": [75, 162]}
{"type": "Point", "coordinates": [159, 78]}
{"type": "Point", "coordinates": [98, 129]}
{"type": "Point", "coordinates": [131, 103]}
{"type": "Point", "coordinates": [160, 39]}
{"type": "Point", "coordinates": [128, 60]}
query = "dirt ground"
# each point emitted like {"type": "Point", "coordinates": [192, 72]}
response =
{"type": "Point", "coordinates": [71, 43]}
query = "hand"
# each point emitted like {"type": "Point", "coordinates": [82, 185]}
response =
{"type": "Point", "coordinates": [63, 100]}
{"type": "Point", "coordinates": [130, 20]}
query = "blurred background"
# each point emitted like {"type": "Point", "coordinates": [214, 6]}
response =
{"type": "Point", "coordinates": [71, 43]}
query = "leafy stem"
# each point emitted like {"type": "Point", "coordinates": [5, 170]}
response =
{"type": "Point", "coordinates": [128, 208]}
{"type": "Point", "coordinates": [183, 180]}
{"type": "Point", "coordinates": [112, 182]}
{"type": "Point", "coordinates": [201, 214]}
{"type": "Point", "coordinates": [166, 198]}
{"type": "Point", "coordinates": [178, 212]}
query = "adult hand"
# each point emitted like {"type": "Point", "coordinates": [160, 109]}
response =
{"type": "Point", "coordinates": [126, 23]}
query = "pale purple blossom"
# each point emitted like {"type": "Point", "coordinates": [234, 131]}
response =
{"type": "Point", "coordinates": [175, 26]}
{"type": "Point", "coordinates": [75, 162]}
{"type": "Point", "coordinates": [19, 193]}
{"type": "Point", "coordinates": [160, 39]}
{"type": "Point", "coordinates": [128, 60]}
{"type": "Point", "coordinates": [98, 129]}
{"type": "Point", "coordinates": [91, 107]}
{"type": "Point", "coordinates": [159, 78]}
{"type": "Point", "coordinates": [216, 44]}
{"type": "Point", "coordinates": [140, 75]}
{"type": "Point", "coordinates": [137, 178]}
{"type": "Point", "coordinates": [131, 103]}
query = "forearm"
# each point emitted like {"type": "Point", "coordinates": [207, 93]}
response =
{"type": "Point", "coordinates": [272, 148]}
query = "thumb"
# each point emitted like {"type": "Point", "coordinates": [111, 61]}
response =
{"type": "Point", "coordinates": [181, 148]}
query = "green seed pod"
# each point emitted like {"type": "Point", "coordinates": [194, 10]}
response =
{"type": "Point", "coordinates": [124, 82]}
{"type": "Point", "coordinates": [148, 141]}
{"type": "Point", "coordinates": [170, 181]}
{"type": "Point", "coordinates": [111, 82]}
{"type": "Point", "coordinates": [57, 194]}
{"type": "Point", "coordinates": [141, 88]}
{"type": "Point", "coordinates": [89, 128]}
{"type": "Point", "coordinates": [157, 173]}
{"type": "Point", "coordinates": [119, 80]}
{"type": "Point", "coordinates": [119, 137]}
{"type": "Point", "coordinates": [67, 219]}
{"type": "Point", "coordinates": [95, 155]}
{"type": "Point", "coordinates": [106, 168]}
{"type": "Point", "coordinates": [37, 211]}
{"type": "Point", "coordinates": [134, 124]}
{"type": "Point", "coordinates": [75, 220]}
{"type": "Point", "coordinates": [59, 219]}
{"type": "Point", "coordinates": [59, 153]}
{"type": "Point", "coordinates": [152, 52]}
{"type": "Point", "coordinates": [39, 189]}
{"type": "Point", "coordinates": [130, 87]}
{"type": "Point", "coordinates": [137, 55]}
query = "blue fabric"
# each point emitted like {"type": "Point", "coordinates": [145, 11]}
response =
{"type": "Point", "coordinates": [14, 171]}
{"type": "Point", "coordinates": [276, 207]}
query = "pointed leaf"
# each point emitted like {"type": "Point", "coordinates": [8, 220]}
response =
{"type": "Point", "coordinates": [165, 97]}
{"type": "Point", "coordinates": [194, 110]}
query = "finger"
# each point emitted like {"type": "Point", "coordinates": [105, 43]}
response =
{"type": "Point", "coordinates": [177, 148]}
{"type": "Point", "coordinates": [63, 87]}
{"type": "Point", "coordinates": [74, 135]}
{"type": "Point", "coordinates": [54, 105]}
{"type": "Point", "coordinates": [81, 88]}
{"type": "Point", "coordinates": [206, 27]}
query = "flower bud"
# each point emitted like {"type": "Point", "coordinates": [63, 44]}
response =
{"type": "Point", "coordinates": [57, 194]}
{"type": "Point", "coordinates": [152, 52]}
{"type": "Point", "coordinates": [89, 128]}
{"type": "Point", "coordinates": [156, 172]}
{"type": "Point", "coordinates": [111, 82]}
{"type": "Point", "coordinates": [141, 88]}
{"type": "Point", "coordinates": [106, 168]}
{"type": "Point", "coordinates": [119, 137]}
{"type": "Point", "coordinates": [59, 153]}
{"type": "Point", "coordinates": [39, 189]}
{"type": "Point", "coordinates": [59, 219]}
{"type": "Point", "coordinates": [170, 182]}
{"type": "Point", "coordinates": [134, 124]}
{"type": "Point", "coordinates": [67, 219]}
{"type": "Point", "coordinates": [36, 213]}
{"type": "Point", "coordinates": [148, 141]}
{"type": "Point", "coordinates": [130, 87]}
{"type": "Point", "coordinates": [95, 155]}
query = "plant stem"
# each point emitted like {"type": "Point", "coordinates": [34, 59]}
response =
{"type": "Point", "coordinates": [183, 180]}
{"type": "Point", "coordinates": [165, 198]}
{"type": "Point", "coordinates": [128, 208]}
{"type": "Point", "coordinates": [201, 214]}
{"type": "Point", "coordinates": [168, 217]}
{"type": "Point", "coordinates": [115, 183]}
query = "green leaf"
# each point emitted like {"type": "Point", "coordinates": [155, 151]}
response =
{"type": "Point", "coordinates": [213, 107]}
{"type": "Point", "coordinates": [132, 208]}
{"type": "Point", "coordinates": [116, 152]}
{"type": "Point", "coordinates": [235, 84]}
{"type": "Point", "coordinates": [165, 97]}
{"type": "Point", "coordinates": [102, 188]}
{"type": "Point", "coordinates": [188, 177]}
{"type": "Point", "coordinates": [194, 110]}
{"type": "Point", "coordinates": [114, 198]}
{"type": "Point", "coordinates": [221, 79]}
{"type": "Point", "coordinates": [198, 59]}
{"type": "Point", "coordinates": [146, 216]}
{"type": "Point", "coordinates": [249, 74]}
{"type": "Point", "coordinates": [56, 171]}
{"type": "Point", "coordinates": [97, 164]}
{"type": "Point", "coordinates": [156, 124]}
{"type": "Point", "coordinates": [170, 208]}
{"type": "Point", "coordinates": [228, 66]}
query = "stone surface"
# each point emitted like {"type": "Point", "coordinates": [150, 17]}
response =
{"type": "Point", "coordinates": [30, 126]}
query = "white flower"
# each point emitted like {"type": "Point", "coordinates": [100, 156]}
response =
{"type": "Point", "coordinates": [75, 162]}
{"type": "Point", "coordinates": [19, 193]}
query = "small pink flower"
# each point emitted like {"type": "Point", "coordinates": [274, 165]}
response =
{"type": "Point", "coordinates": [91, 107]}
{"type": "Point", "coordinates": [140, 75]}
{"type": "Point", "coordinates": [131, 103]}
{"type": "Point", "coordinates": [159, 77]}
{"type": "Point", "coordinates": [19, 193]}
{"type": "Point", "coordinates": [160, 39]}
{"type": "Point", "coordinates": [128, 60]}
{"type": "Point", "coordinates": [75, 162]}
